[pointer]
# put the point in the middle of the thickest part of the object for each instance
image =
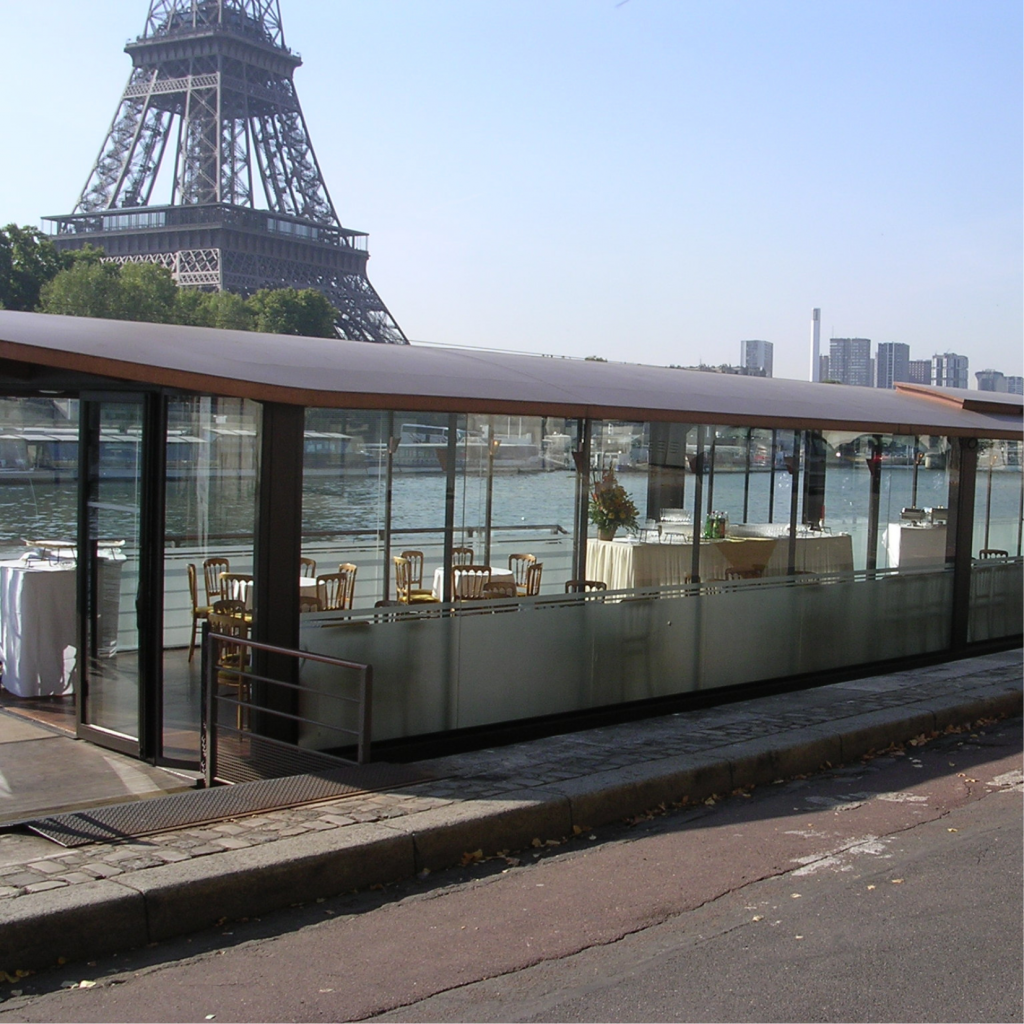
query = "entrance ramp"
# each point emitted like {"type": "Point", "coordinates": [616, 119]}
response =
{"type": "Point", "coordinates": [118, 822]}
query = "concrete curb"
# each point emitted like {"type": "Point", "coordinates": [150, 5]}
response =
{"type": "Point", "coordinates": [158, 903]}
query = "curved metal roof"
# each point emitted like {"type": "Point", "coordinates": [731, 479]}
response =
{"type": "Point", "coordinates": [347, 374]}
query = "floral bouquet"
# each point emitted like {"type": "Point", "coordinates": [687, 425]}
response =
{"type": "Point", "coordinates": [611, 507]}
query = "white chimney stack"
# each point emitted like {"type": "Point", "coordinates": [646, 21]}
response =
{"type": "Point", "coordinates": [815, 374]}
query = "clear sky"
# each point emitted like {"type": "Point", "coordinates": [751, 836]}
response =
{"type": "Point", "coordinates": [650, 180]}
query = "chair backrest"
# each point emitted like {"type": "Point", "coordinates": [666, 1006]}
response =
{"type": "Point", "coordinates": [193, 587]}
{"type": "Point", "coordinates": [469, 582]}
{"type": "Point", "coordinates": [212, 568]}
{"type": "Point", "coordinates": [501, 588]}
{"type": "Point", "coordinates": [519, 564]}
{"type": "Point", "coordinates": [234, 586]}
{"type": "Point", "coordinates": [225, 609]}
{"type": "Point", "coordinates": [745, 574]}
{"type": "Point", "coordinates": [349, 571]}
{"type": "Point", "coordinates": [533, 571]}
{"type": "Point", "coordinates": [227, 617]}
{"type": "Point", "coordinates": [462, 556]}
{"type": "Point", "coordinates": [402, 577]}
{"type": "Point", "coordinates": [584, 586]}
{"type": "Point", "coordinates": [415, 560]}
{"type": "Point", "coordinates": [307, 567]}
{"type": "Point", "coordinates": [308, 604]}
{"type": "Point", "coordinates": [334, 590]}
{"type": "Point", "coordinates": [993, 553]}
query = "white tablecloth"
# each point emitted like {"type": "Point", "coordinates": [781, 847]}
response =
{"type": "Point", "coordinates": [497, 576]}
{"type": "Point", "coordinates": [625, 566]}
{"type": "Point", "coordinates": [38, 628]}
{"type": "Point", "coordinates": [915, 547]}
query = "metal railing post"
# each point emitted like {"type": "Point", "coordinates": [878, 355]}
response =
{"type": "Point", "coordinates": [366, 714]}
{"type": "Point", "coordinates": [208, 731]}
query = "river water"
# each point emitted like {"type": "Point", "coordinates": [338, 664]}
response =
{"type": "Point", "coordinates": [340, 505]}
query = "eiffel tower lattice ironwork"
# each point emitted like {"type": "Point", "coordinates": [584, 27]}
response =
{"type": "Point", "coordinates": [211, 90]}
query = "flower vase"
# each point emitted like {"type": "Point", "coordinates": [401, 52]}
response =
{"type": "Point", "coordinates": [607, 533]}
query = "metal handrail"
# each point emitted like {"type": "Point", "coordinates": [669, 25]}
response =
{"type": "Point", "coordinates": [210, 669]}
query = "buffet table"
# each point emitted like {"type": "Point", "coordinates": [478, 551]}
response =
{"type": "Point", "coordinates": [625, 565]}
{"type": "Point", "coordinates": [915, 546]}
{"type": "Point", "coordinates": [38, 627]}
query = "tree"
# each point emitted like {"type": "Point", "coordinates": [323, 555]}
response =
{"type": "Point", "coordinates": [135, 291]}
{"type": "Point", "coordinates": [290, 311]}
{"type": "Point", "coordinates": [212, 309]}
{"type": "Point", "coordinates": [28, 260]}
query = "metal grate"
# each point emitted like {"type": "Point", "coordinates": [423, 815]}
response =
{"type": "Point", "coordinates": [180, 810]}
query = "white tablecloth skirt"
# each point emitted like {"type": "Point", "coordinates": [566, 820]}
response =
{"type": "Point", "coordinates": [626, 566]}
{"type": "Point", "coordinates": [38, 628]}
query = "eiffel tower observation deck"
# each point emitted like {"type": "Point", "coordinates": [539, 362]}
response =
{"type": "Point", "coordinates": [210, 115]}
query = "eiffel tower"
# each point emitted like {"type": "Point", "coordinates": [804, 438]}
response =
{"type": "Point", "coordinates": [212, 83]}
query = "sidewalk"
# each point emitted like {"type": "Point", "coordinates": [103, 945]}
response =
{"type": "Point", "coordinates": [91, 900]}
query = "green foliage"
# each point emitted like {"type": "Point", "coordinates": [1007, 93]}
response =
{"type": "Point", "coordinates": [34, 275]}
{"type": "Point", "coordinates": [28, 260]}
{"type": "Point", "coordinates": [135, 291]}
{"type": "Point", "coordinates": [212, 309]}
{"type": "Point", "coordinates": [290, 311]}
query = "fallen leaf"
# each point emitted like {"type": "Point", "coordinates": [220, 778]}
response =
{"type": "Point", "coordinates": [896, 881]}
{"type": "Point", "coordinates": [471, 858]}
{"type": "Point", "coordinates": [535, 843]}
{"type": "Point", "coordinates": [757, 917]}
{"type": "Point", "coordinates": [871, 887]}
{"type": "Point", "coordinates": [87, 984]}
{"type": "Point", "coordinates": [794, 895]}
{"type": "Point", "coordinates": [952, 830]}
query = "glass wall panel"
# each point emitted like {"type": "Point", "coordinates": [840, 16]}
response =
{"type": "Point", "coordinates": [997, 500]}
{"type": "Point", "coordinates": [344, 501]}
{"type": "Point", "coordinates": [38, 531]}
{"type": "Point", "coordinates": [212, 453]}
{"type": "Point", "coordinates": [518, 497]}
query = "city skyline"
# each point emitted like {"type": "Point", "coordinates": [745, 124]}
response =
{"type": "Point", "coordinates": [650, 181]}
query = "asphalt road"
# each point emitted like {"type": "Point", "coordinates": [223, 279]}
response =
{"type": "Point", "coordinates": [886, 890]}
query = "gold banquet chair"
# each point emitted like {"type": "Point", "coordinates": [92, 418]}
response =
{"type": "Point", "coordinates": [335, 590]}
{"type": "Point", "coordinates": [199, 611]}
{"type": "Point", "coordinates": [235, 586]}
{"type": "Point", "coordinates": [533, 572]}
{"type": "Point", "coordinates": [231, 660]}
{"type": "Point", "coordinates": [307, 567]}
{"type": "Point", "coordinates": [584, 586]}
{"type": "Point", "coordinates": [405, 591]}
{"type": "Point", "coordinates": [462, 556]}
{"type": "Point", "coordinates": [469, 582]}
{"type": "Point", "coordinates": [212, 568]}
{"type": "Point", "coordinates": [518, 565]}
{"type": "Point", "coordinates": [415, 559]}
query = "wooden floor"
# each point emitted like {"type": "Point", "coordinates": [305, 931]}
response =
{"type": "Point", "coordinates": [44, 770]}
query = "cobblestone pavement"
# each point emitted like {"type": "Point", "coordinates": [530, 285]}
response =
{"type": "Point", "coordinates": [31, 864]}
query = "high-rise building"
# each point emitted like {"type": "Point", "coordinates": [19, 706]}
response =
{"type": "Point", "coordinates": [990, 380]}
{"type": "Point", "coordinates": [919, 371]}
{"type": "Point", "coordinates": [816, 356]}
{"type": "Point", "coordinates": [849, 361]}
{"type": "Point", "coordinates": [949, 370]}
{"type": "Point", "coordinates": [892, 363]}
{"type": "Point", "coordinates": [757, 355]}
{"type": "Point", "coordinates": [1015, 385]}
{"type": "Point", "coordinates": [823, 368]}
